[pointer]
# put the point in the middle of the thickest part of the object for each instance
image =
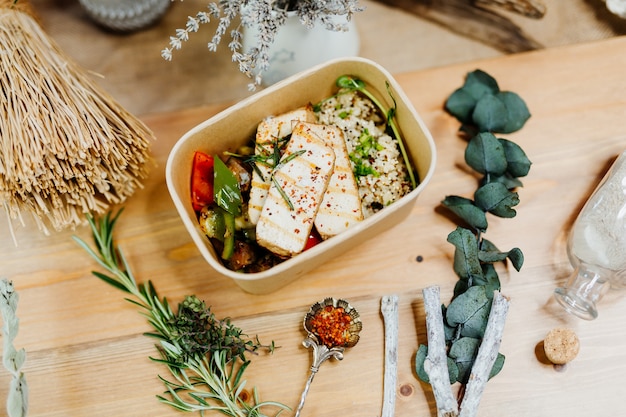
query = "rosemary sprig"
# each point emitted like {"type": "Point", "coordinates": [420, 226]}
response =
{"type": "Point", "coordinates": [205, 356]}
{"type": "Point", "coordinates": [12, 359]}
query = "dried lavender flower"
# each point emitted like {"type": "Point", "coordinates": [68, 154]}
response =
{"type": "Point", "coordinates": [268, 16]}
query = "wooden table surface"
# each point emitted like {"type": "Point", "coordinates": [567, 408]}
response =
{"type": "Point", "coordinates": [86, 355]}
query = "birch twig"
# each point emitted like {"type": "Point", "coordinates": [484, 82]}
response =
{"type": "Point", "coordinates": [436, 363]}
{"type": "Point", "coordinates": [389, 310]}
{"type": "Point", "coordinates": [487, 354]}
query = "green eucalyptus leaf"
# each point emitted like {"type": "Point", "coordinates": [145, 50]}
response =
{"type": "Point", "coordinates": [466, 263]}
{"type": "Point", "coordinates": [491, 281]}
{"type": "Point", "coordinates": [517, 258]}
{"type": "Point", "coordinates": [489, 253]}
{"type": "Point", "coordinates": [497, 365]}
{"type": "Point", "coordinates": [507, 180]}
{"type": "Point", "coordinates": [467, 211]}
{"type": "Point", "coordinates": [420, 357]}
{"type": "Point", "coordinates": [487, 245]}
{"type": "Point", "coordinates": [463, 353]}
{"type": "Point", "coordinates": [471, 310]}
{"type": "Point", "coordinates": [478, 84]}
{"type": "Point", "coordinates": [518, 164]}
{"type": "Point", "coordinates": [495, 198]}
{"type": "Point", "coordinates": [461, 104]}
{"type": "Point", "coordinates": [448, 331]}
{"type": "Point", "coordinates": [485, 154]}
{"type": "Point", "coordinates": [490, 114]}
{"type": "Point", "coordinates": [461, 286]}
{"type": "Point", "coordinates": [516, 111]}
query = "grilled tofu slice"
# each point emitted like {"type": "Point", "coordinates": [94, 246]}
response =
{"type": "Point", "coordinates": [271, 133]}
{"type": "Point", "coordinates": [295, 193]}
{"type": "Point", "coordinates": [341, 205]}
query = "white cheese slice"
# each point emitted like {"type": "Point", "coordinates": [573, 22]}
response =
{"type": "Point", "coordinates": [341, 205]}
{"type": "Point", "coordinates": [270, 133]}
{"type": "Point", "coordinates": [295, 194]}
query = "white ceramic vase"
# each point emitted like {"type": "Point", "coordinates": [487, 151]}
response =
{"type": "Point", "coordinates": [125, 15]}
{"type": "Point", "coordinates": [297, 48]}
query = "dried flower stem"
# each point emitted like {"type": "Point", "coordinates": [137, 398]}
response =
{"type": "Point", "coordinates": [267, 16]}
{"type": "Point", "coordinates": [12, 359]}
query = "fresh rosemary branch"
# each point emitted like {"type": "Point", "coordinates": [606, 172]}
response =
{"type": "Point", "coordinates": [12, 359]}
{"type": "Point", "coordinates": [205, 356]}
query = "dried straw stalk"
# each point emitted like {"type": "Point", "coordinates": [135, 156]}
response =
{"type": "Point", "coordinates": [66, 146]}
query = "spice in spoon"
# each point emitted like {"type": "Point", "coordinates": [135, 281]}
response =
{"type": "Point", "coordinates": [331, 325]}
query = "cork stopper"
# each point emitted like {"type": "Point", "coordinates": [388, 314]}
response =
{"type": "Point", "coordinates": [561, 346]}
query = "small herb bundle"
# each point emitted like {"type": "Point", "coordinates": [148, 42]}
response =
{"type": "Point", "coordinates": [483, 109]}
{"type": "Point", "coordinates": [205, 356]}
{"type": "Point", "coordinates": [13, 359]}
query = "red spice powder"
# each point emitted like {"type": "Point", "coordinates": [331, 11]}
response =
{"type": "Point", "coordinates": [331, 325]}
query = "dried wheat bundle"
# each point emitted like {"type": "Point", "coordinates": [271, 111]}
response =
{"type": "Point", "coordinates": [66, 146]}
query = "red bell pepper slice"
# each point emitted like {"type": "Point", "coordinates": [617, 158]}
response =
{"type": "Point", "coordinates": [202, 181]}
{"type": "Point", "coordinates": [314, 239]}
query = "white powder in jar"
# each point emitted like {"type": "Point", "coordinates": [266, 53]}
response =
{"type": "Point", "coordinates": [599, 235]}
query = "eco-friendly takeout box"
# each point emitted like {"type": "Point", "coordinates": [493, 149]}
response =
{"type": "Point", "coordinates": [237, 125]}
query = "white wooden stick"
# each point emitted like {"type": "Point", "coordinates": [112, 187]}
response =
{"type": "Point", "coordinates": [487, 354]}
{"type": "Point", "coordinates": [389, 310]}
{"type": "Point", "coordinates": [436, 363]}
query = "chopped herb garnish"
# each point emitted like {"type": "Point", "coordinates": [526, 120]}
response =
{"type": "Point", "coordinates": [282, 193]}
{"type": "Point", "coordinates": [362, 153]}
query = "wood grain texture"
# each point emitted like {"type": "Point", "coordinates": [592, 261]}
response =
{"type": "Point", "coordinates": [479, 20]}
{"type": "Point", "coordinates": [87, 355]}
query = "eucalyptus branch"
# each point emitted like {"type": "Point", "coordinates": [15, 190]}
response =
{"type": "Point", "coordinates": [205, 356]}
{"type": "Point", "coordinates": [472, 324]}
{"type": "Point", "coordinates": [12, 359]}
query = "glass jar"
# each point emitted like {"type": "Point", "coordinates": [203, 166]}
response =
{"type": "Point", "coordinates": [596, 246]}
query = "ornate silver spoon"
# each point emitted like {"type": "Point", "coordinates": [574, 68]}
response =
{"type": "Point", "coordinates": [331, 325]}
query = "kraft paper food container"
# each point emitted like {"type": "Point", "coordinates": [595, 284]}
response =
{"type": "Point", "coordinates": [237, 125]}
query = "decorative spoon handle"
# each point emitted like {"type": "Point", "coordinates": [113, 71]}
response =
{"type": "Point", "coordinates": [304, 393]}
{"type": "Point", "coordinates": [320, 354]}
{"type": "Point", "coordinates": [389, 309]}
